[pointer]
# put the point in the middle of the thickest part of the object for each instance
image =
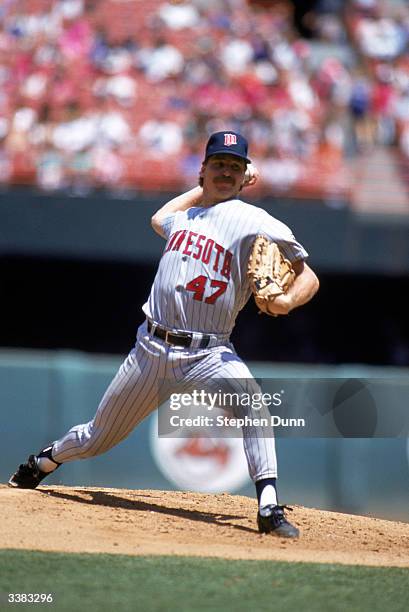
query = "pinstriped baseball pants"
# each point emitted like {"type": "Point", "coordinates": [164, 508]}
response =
{"type": "Point", "coordinates": [153, 371]}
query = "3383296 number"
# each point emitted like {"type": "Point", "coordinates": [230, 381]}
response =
{"type": "Point", "coordinates": [198, 287]}
{"type": "Point", "coordinates": [30, 598]}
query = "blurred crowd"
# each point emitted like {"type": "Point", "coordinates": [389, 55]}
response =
{"type": "Point", "coordinates": [122, 94]}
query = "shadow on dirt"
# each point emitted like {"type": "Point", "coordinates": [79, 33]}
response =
{"type": "Point", "coordinates": [100, 498]}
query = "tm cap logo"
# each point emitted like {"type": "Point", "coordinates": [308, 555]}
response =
{"type": "Point", "coordinates": [230, 139]}
{"type": "Point", "coordinates": [229, 143]}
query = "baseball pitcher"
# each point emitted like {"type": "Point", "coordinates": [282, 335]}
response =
{"type": "Point", "coordinates": [219, 251]}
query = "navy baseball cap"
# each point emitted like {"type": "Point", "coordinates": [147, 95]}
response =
{"type": "Point", "coordinates": [227, 142]}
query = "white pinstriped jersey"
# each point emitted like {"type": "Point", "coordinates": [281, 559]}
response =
{"type": "Point", "coordinates": [201, 283]}
{"type": "Point", "coordinates": [200, 286]}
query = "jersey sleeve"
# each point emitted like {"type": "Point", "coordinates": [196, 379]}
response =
{"type": "Point", "coordinates": [280, 233]}
{"type": "Point", "coordinates": [167, 224]}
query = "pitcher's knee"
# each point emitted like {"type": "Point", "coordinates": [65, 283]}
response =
{"type": "Point", "coordinates": [91, 448]}
{"type": "Point", "coordinates": [96, 445]}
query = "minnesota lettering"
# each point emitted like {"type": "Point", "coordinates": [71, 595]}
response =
{"type": "Point", "coordinates": [200, 247]}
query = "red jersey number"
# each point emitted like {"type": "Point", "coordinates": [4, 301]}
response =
{"type": "Point", "coordinates": [198, 287]}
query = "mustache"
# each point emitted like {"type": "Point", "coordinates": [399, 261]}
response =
{"type": "Point", "coordinates": [224, 179]}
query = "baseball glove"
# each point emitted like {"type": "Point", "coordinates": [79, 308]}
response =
{"type": "Point", "coordinates": [269, 272]}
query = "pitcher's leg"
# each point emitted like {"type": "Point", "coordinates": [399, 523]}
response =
{"type": "Point", "coordinates": [259, 445]}
{"type": "Point", "coordinates": [131, 396]}
{"type": "Point", "coordinates": [258, 440]}
{"type": "Point", "coordinates": [224, 367]}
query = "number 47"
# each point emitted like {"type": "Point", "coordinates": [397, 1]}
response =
{"type": "Point", "coordinates": [198, 286]}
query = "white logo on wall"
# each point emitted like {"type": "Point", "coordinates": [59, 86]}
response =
{"type": "Point", "coordinates": [200, 463]}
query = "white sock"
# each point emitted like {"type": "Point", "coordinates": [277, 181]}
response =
{"type": "Point", "coordinates": [46, 465]}
{"type": "Point", "coordinates": [268, 496]}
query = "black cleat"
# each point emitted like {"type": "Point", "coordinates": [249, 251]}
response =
{"type": "Point", "coordinates": [271, 519]}
{"type": "Point", "coordinates": [28, 475]}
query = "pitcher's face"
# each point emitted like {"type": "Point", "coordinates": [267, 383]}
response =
{"type": "Point", "coordinates": [222, 175]}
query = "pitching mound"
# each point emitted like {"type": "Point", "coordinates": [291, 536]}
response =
{"type": "Point", "coordinates": [79, 519]}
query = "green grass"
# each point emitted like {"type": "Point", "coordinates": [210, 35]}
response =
{"type": "Point", "coordinates": [119, 582]}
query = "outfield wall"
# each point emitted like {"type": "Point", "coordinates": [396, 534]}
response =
{"type": "Point", "coordinates": [43, 394]}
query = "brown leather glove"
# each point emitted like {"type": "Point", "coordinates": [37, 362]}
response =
{"type": "Point", "coordinates": [269, 272]}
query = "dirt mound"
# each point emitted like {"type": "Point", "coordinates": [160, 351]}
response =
{"type": "Point", "coordinates": [83, 519]}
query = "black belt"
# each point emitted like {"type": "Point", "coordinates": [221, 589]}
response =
{"type": "Point", "coordinates": [184, 339]}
